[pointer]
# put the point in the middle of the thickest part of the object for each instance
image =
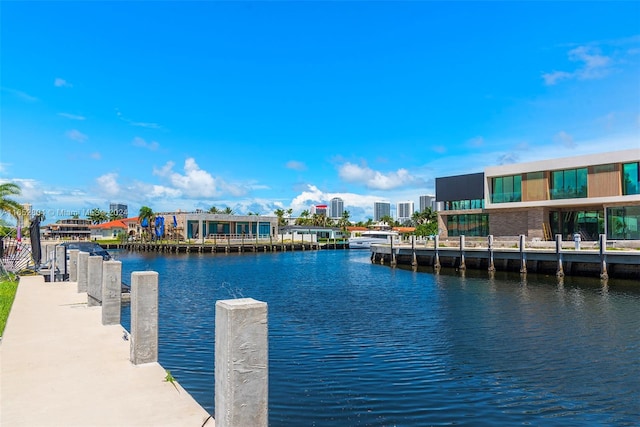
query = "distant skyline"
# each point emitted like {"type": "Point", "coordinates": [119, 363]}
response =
{"type": "Point", "coordinates": [264, 105]}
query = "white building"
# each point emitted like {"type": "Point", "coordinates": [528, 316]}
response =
{"type": "Point", "coordinates": [404, 211]}
{"type": "Point", "coordinates": [336, 208]}
{"type": "Point", "coordinates": [381, 209]}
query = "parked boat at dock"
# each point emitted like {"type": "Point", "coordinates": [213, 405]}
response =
{"type": "Point", "coordinates": [372, 237]}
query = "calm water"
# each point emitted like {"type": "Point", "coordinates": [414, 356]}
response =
{"type": "Point", "coordinates": [356, 344]}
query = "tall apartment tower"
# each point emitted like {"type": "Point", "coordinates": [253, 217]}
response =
{"type": "Point", "coordinates": [319, 210]}
{"type": "Point", "coordinates": [336, 208]}
{"type": "Point", "coordinates": [120, 209]}
{"type": "Point", "coordinates": [381, 209]}
{"type": "Point", "coordinates": [404, 211]}
{"type": "Point", "coordinates": [427, 202]}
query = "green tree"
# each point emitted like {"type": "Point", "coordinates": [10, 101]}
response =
{"type": "Point", "coordinates": [280, 214]}
{"type": "Point", "coordinates": [228, 211]}
{"type": "Point", "coordinates": [387, 219]}
{"type": "Point", "coordinates": [7, 204]}
{"type": "Point", "coordinates": [344, 222]}
{"type": "Point", "coordinates": [426, 222]}
{"type": "Point", "coordinates": [214, 210]}
{"type": "Point", "coordinates": [97, 216]}
{"type": "Point", "coordinates": [114, 215]}
{"type": "Point", "coordinates": [304, 218]}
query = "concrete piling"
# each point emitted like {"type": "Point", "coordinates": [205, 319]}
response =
{"type": "Point", "coordinates": [60, 264]}
{"type": "Point", "coordinates": [492, 266]}
{"type": "Point", "coordinates": [144, 317]}
{"type": "Point", "coordinates": [73, 264]}
{"type": "Point", "coordinates": [111, 292]}
{"type": "Point", "coordinates": [462, 265]}
{"type": "Point", "coordinates": [523, 255]}
{"type": "Point", "coordinates": [83, 267]}
{"type": "Point", "coordinates": [603, 257]}
{"type": "Point", "coordinates": [560, 271]}
{"type": "Point", "coordinates": [94, 281]}
{"type": "Point", "coordinates": [241, 363]}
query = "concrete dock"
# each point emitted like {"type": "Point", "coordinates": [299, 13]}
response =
{"type": "Point", "coordinates": [59, 366]}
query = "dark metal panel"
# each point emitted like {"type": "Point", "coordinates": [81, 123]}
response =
{"type": "Point", "coordinates": [460, 187]}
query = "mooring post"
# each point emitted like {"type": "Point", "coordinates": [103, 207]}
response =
{"type": "Point", "coordinates": [603, 257]}
{"type": "Point", "coordinates": [393, 254]}
{"type": "Point", "coordinates": [61, 262]}
{"type": "Point", "coordinates": [462, 265]}
{"type": "Point", "coordinates": [560, 271]}
{"type": "Point", "coordinates": [111, 292]}
{"type": "Point", "coordinates": [436, 245]}
{"type": "Point", "coordinates": [414, 258]}
{"type": "Point", "coordinates": [94, 281]}
{"type": "Point", "coordinates": [523, 256]}
{"type": "Point", "coordinates": [492, 266]}
{"type": "Point", "coordinates": [73, 264]}
{"type": "Point", "coordinates": [144, 317]}
{"type": "Point", "coordinates": [241, 363]}
{"type": "Point", "coordinates": [83, 267]}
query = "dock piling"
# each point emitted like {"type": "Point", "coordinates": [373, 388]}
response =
{"type": "Point", "coordinates": [94, 281]}
{"type": "Point", "coordinates": [111, 292]}
{"type": "Point", "coordinates": [144, 317]}
{"type": "Point", "coordinates": [83, 266]}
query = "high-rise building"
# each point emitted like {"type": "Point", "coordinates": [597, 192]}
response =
{"type": "Point", "coordinates": [319, 210]}
{"type": "Point", "coordinates": [120, 209]}
{"type": "Point", "coordinates": [381, 209]}
{"type": "Point", "coordinates": [427, 202]}
{"type": "Point", "coordinates": [404, 211]}
{"type": "Point", "coordinates": [336, 208]}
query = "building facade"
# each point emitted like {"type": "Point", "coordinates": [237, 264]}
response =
{"type": "Point", "coordinates": [427, 202]}
{"type": "Point", "coordinates": [380, 210]}
{"type": "Point", "coordinates": [336, 208]}
{"type": "Point", "coordinates": [588, 195]}
{"type": "Point", "coordinates": [118, 208]}
{"type": "Point", "coordinates": [319, 210]}
{"type": "Point", "coordinates": [404, 211]}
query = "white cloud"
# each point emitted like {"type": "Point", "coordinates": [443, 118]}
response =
{"type": "Point", "coordinates": [377, 180]}
{"type": "Point", "coordinates": [96, 156]}
{"type": "Point", "coordinates": [19, 94]}
{"type": "Point", "coordinates": [296, 165]}
{"type": "Point", "coordinates": [565, 139]}
{"type": "Point", "coordinates": [108, 184]}
{"type": "Point", "coordinates": [477, 141]}
{"type": "Point", "coordinates": [71, 116]}
{"type": "Point", "coordinates": [140, 142]}
{"type": "Point", "coordinates": [197, 183]}
{"type": "Point", "coordinates": [76, 135]}
{"type": "Point", "coordinates": [592, 65]}
{"type": "Point", "coordinates": [58, 82]}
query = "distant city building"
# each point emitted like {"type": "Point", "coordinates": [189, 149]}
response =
{"type": "Point", "coordinates": [381, 209]}
{"type": "Point", "coordinates": [404, 211]}
{"type": "Point", "coordinates": [336, 208]}
{"type": "Point", "coordinates": [120, 209]}
{"type": "Point", "coordinates": [427, 202]}
{"type": "Point", "coordinates": [65, 229]}
{"type": "Point", "coordinates": [319, 210]}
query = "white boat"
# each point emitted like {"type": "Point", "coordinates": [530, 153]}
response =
{"type": "Point", "coordinates": [372, 237]}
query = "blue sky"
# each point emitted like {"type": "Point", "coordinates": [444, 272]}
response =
{"type": "Point", "coordinates": [266, 105]}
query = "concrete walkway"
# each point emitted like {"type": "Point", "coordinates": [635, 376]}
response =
{"type": "Point", "coordinates": [59, 366]}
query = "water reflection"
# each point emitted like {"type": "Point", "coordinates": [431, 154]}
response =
{"type": "Point", "coordinates": [356, 343]}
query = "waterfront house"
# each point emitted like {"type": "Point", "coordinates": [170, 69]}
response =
{"type": "Point", "coordinates": [68, 229]}
{"type": "Point", "coordinates": [584, 195]}
{"type": "Point", "coordinates": [128, 227]}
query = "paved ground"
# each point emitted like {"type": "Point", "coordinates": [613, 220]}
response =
{"type": "Point", "coordinates": [59, 366]}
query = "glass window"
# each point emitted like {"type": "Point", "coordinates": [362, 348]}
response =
{"type": "Point", "coordinates": [507, 189]}
{"type": "Point", "coordinates": [630, 178]}
{"type": "Point", "coordinates": [569, 184]}
{"type": "Point", "coordinates": [623, 222]}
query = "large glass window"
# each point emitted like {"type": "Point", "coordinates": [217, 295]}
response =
{"type": "Point", "coordinates": [505, 189]}
{"type": "Point", "coordinates": [456, 205]}
{"type": "Point", "coordinates": [468, 225]}
{"type": "Point", "coordinates": [569, 184]}
{"type": "Point", "coordinates": [622, 223]}
{"type": "Point", "coordinates": [589, 224]}
{"type": "Point", "coordinates": [630, 178]}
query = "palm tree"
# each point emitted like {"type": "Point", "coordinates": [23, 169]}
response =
{"type": "Point", "coordinates": [8, 205]}
{"type": "Point", "coordinates": [97, 216]}
{"type": "Point", "coordinates": [145, 218]}
{"type": "Point", "coordinates": [214, 210]}
{"type": "Point", "coordinates": [303, 219]}
{"type": "Point", "coordinates": [344, 222]}
{"type": "Point", "coordinates": [280, 214]}
{"type": "Point", "coordinates": [228, 211]}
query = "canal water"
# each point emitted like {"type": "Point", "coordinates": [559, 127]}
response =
{"type": "Point", "coordinates": [357, 344]}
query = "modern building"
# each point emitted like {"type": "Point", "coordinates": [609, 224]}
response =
{"type": "Point", "coordinates": [120, 209]}
{"type": "Point", "coordinates": [590, 195]}
{"type": "Point", "coordinates": [202, 225]}
{"type": "Point", "coordinates": [404, 211]}
{"type": "Point", "coordinates": [127, 227]}
{"type": "Point", "coordinates": [319, 210]}
{"type": "Point", "coordinates": [380, 210]}
{"type": "Point", "coordinates": [336, 208]}
{"type": "Point", "coordinates": [68, 229]}
{"type": "Point", "coordinates": [427, 202]}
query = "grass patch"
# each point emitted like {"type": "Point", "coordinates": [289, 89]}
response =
{"type": "Point", "coordinates": [7, 294]}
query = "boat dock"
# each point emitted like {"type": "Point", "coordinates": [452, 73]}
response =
{"type": "Point", "coordinates": [61, 367]}
{"type": "Point", "coordinates": [563, 260]}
